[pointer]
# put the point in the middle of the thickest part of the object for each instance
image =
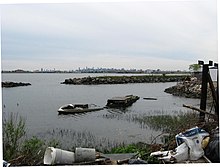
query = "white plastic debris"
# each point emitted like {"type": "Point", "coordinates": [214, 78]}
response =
{"type": "Point", "coordinates": [189, 146]}
{"type": "Point", "coordinates": [54, 156]}
{"type": "Point", "coordinates": [159, 153]}
{"type": "Point", "coordinates": [5, 164]}
{"type": "Point", "coordinates": [179, 155]}
{"type": "Point", "coordinates": [85, 154]}
{"type": "Point", "coordinates": [190, 134]}
{"type": "Point", "coordinates": [193, 139]}
{"type": "Point", "coordinates": [57, 156]}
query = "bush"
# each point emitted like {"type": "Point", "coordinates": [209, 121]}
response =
{"type": "Point", "coordinates": [20, 151]}
{"type": "Point", "coordinates": [33, 151]}
{"type": "Point", "coordinates": [13, 132]}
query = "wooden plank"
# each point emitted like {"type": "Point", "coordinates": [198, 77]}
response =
{"type": "Point", "coordinates": [150, 98]}
{"type": "Point", "coordinates": [199, 110]}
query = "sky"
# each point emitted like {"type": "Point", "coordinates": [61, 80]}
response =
{"type": "Point", "coordinates": [166, 35]}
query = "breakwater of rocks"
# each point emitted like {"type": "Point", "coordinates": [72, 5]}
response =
{"type": "Point", "coordinates": [122, 79]}
{"type": "Point", "coordinates": [189, 88]}
{"type": "Point", "coordinates": [14, 84]}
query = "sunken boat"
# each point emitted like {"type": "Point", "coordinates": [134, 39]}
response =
{"type": "Point", "coordinates": [77, 108]}
{"type": "Point", "coordinates": [124, 101]}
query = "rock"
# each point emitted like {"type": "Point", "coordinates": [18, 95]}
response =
{"type": "Point", "coordinates": [14, 84]}
{"type": "Point", "coordinates": [190, 88]}
{"type": "Point", "coordinates": [121, 80]}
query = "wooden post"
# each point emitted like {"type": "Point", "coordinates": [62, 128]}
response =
{"type": "Point", "coordinates": [205, 73]}
{"type": "Point", "coordinates": [217, 92]}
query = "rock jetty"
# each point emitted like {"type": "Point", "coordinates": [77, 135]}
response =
{"type": "Point", "coordinates": [122, 79]}
{"type": "Point", "coordinates": [189, 88]}
{"type": "Point", "coordinates": [14, 84]}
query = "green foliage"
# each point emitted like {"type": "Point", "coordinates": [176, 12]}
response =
{"type": "Point", "coordinates": [33, 150]}
{"type": "Point", "coordinates": [20, 151]}
{"type": "Point", "coordinates": [131, 148]}
{"type": "Point", "coordinates": [54, 143]}
{"type": "Point", "coordinates": [169, 123]}
{"type": "Point", "coordinates": [32, 146]}
{"type": "Point", "coordinates": [194, 67]}
{"type": "Point", "coordinates": [153, 160]}
{"type": "Point", "coordinates": [143, 151]}
{"type": "Point", "coordinates": [13, 132]}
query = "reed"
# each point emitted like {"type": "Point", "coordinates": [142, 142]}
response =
{"type": "Point", "coordinates": [13, 132]}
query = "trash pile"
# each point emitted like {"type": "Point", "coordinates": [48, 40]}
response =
{"type": "Point", "coordinates": [195, 145]}
{"type": "Point", "coordinates": [190, 147]}
{"type": "Point", "coordinates": [54, 156]}
{"type": "Point", "coordinates": [88, 156]}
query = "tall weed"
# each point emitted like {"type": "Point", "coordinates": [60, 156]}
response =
{"type": "Point", "coordinates": [13, 132]}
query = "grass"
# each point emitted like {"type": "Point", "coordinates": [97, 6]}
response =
{"type": "Point", "coordinates": [167, 125]}
{"type": "Point", "coordinates": [13, 132]}
{"type": "Point", "coordinates": [143, 151]}
{"type": "Point", "coordinates": [17, 149]}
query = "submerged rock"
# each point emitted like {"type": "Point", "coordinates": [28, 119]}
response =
{"type": "Point", "coordinates": [14, 84]}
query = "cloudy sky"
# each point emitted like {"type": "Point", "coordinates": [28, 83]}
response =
{"type": "Point", "coordinates": [169, 35]}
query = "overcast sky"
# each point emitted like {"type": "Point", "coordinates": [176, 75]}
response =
{"type": "Point", "coordinates": [169, 35]}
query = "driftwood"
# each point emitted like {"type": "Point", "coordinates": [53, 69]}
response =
{"type": "Point", "coordinates": [199, 110]}
{"type": "Point", "coordinates": [149, 98]}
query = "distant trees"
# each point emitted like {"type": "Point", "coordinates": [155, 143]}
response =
{"type": "Point", "coordinates": [194, 67]}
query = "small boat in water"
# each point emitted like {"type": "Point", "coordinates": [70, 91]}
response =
{"type": "Point", "coordinates": [122, 101]}
{"type": "Point", "coordinates": [77, 108]}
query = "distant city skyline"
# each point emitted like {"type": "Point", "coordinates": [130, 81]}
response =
{"type": "Point", "coordinates": [166, 35]}
{"type": "Point", "coordinates": [84, 69]}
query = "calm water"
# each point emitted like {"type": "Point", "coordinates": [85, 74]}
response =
{"type": "Point", "coordinates": [39, 103]}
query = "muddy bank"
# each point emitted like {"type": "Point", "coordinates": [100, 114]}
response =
{"type": "Point", "coordinates": [122, 79]}
{"type": "Point", "coordinates": [14, 84]}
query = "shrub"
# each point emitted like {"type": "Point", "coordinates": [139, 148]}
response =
{"type": "Point", "coordinates": [13, 132]}
{"type": "Point", "coordinates": [20, 151]}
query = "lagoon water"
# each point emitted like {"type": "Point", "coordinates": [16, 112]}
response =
{"type": "Point", "coordinates": [39, 103]}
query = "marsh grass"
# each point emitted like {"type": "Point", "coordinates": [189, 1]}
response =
{"type": "Point", "coordinates": [168, 125]}
{"type": "Point", "coordinates": [13, 132]}
{"type": "Point", "coordinates": [71, 138]}
{"type": "Point", "coordinates": [17, 148]}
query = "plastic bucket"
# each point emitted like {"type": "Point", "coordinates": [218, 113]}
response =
{"type": "Point", "coordinates": [85, 155]}
{"type": "Point", "coordinates": [57, 156]}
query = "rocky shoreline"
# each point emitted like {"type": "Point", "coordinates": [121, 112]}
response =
{"type": "Point", "coordinates": [122, 79]}
{"type": "Point", "coordinates": [14, 84]}
{"type": "Point", "coordinates": [189, 88]}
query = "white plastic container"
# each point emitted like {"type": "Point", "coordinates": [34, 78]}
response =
{"type": "Point", "coordinates": [195, 147]}
{"type": "Point", "coordinates": [85, 155]}
{"type": "Point", "coordinates": [181, 153]}
{"type": "Point", "coordinates": [57, 156]}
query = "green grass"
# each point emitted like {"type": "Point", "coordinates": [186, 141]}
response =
{"type": "Point", "coordinates": [17, 149]}
{"type": "Point", "coordinates": [143, 151]}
